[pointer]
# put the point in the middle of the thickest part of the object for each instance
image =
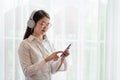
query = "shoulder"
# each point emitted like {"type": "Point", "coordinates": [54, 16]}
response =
{"type": "Point", "coordinates": [24, 44]}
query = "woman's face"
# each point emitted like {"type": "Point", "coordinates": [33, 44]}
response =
{"type": "Point", "coordinates": [42, 26]}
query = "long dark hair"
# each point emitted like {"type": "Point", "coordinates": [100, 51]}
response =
{"type": "Point", "coordinates": [36, 17]}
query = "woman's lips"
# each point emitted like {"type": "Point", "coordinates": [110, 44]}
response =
{"type": "Point", "coordinates": [43, 30]}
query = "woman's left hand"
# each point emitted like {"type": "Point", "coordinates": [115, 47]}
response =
{"type": "Point", "coordinates": [65, 53]}
{"type": "Point", "coordinates": [63, 56]}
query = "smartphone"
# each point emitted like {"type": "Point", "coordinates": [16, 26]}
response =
{"type": "Point", "coordinates": [68, 46]}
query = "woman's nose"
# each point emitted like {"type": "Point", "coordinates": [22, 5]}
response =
{"type": "Point", "coordinates": [43, 27]}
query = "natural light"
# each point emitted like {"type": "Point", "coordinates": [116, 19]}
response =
{"type": "Point", "coordinates": [87, 24]}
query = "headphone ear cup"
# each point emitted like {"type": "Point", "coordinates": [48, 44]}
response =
{"type": "Point", "coordinates": [31, 23]}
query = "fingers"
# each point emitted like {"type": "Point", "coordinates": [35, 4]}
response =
{"type": "Point", "coordinates": [55, 58]}
{"type": "Point", "coordinates": [66, 52]}
{"type": "Point", "coordinates": [58, 52]}
{"type": "Point", "coordinates": [55, 54]}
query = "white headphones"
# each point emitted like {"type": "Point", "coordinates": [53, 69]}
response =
{"type": "Point", "coordinates": [31, 22]}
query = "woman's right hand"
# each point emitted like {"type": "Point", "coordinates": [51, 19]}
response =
{"type": "Point", "coordinates": [53, 56]}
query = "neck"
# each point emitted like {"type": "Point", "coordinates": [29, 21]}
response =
{"type": "Point", "coordinates": [40, 37]}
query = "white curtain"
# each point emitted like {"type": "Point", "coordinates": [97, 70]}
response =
{"type": "Point", "coordinates": [92, 26]}
{"type": "Point", "coordinates": [112, 66]}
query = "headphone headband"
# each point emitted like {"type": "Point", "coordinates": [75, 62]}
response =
{"type": "Point", "coordinates": [32, 14]}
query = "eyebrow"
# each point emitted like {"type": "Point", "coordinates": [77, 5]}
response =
{"type": "Point", "coordinates": [45, 22]}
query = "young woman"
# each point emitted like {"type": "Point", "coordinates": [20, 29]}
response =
{"type": "Point", "coordinates": [37, 56]}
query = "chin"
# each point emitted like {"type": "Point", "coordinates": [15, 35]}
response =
{"type": "Point", "coordinates": [42, 32]}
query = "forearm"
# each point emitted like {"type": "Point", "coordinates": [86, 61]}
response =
{"type": "Point", "coordinates": [29, 70]}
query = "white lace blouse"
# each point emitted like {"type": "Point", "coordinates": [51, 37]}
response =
{"type": "Point", "coordinates": [32, 53]}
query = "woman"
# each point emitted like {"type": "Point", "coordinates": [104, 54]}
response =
{"type": "Point", "coordinates": [37, 56]}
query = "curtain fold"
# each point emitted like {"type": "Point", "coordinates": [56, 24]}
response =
{"type": "Point", "coordinates": [113, 41]}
